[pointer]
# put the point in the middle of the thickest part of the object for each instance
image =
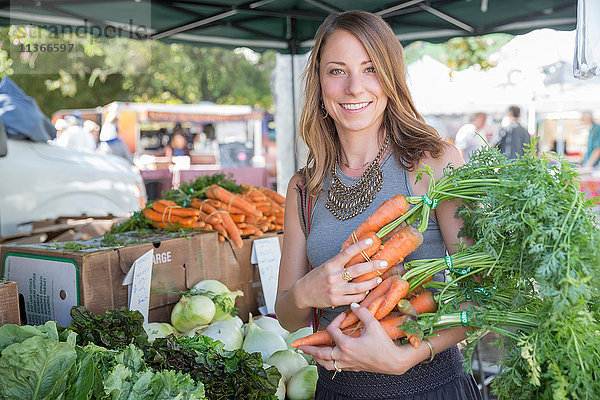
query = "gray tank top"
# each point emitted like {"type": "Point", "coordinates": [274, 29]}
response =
{"type": "Point", "coordinates": [327, 233]}
{"type": "Point", "coordinates": [324, 241]}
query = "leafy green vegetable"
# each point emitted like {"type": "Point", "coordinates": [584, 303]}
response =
{"type": "Point", "coordinates": [11, 333]}
{"type": "Point", "coordinates": [115, 330]}
{"type": "Point", "coordinates": [225, 374]}
{"type": "Point", "coordinates": [37, 368]}
{"type": "Point", "coordinates": [136, 222]}
{"type": "Point", "coordinates": [129, 379]}
{"type": "Point", "coordinates": [188, 190]}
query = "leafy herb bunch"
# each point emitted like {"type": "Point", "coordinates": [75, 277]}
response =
{"type": "Point", "coordinates": [225, 374]}
{"type": "Point", "coordinates": [545, 237]}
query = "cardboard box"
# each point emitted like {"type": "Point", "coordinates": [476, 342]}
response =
{"type": "Point", "coordinates": [9, 303]}
{"type": "Point", "coordinates": [53, 278]}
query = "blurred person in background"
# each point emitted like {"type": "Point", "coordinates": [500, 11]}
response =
{"type": "Point", "coordinates": [592, 155]}
{"type": "Point", "coordinates": [177, 147]}
{"type": "Point", "coordinates": [75, 136]}
{"type": "Point", "coordinates": [60, 125]}
{"type": "Point", "coordinates": [513, 137]}
{"type": "Point", "coordinates": [109, 139]}
{"type": "Point", "coordinates": [470, 136]}
{"type": "Point", "coordinates": [93, 128]}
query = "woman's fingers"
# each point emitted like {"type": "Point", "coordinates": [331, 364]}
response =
{"type": "Point", "coordinates": [365, 316]}
{"type": "Point", "coordinates": [334, 327]}
{"type": "Point", "coordinates": [366, 267]}
{"type": "Point", "coordinates": [346, 255]}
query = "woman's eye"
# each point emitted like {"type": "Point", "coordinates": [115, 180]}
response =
{"type": "Point", "coordinates": [336, 71]}
{"type": "Point", "coordinates": [370, 70]}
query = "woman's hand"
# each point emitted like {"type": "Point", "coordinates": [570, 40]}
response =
{"type": "Point", "coordinates": [329, 284]}
{"type": "Point", "coordinates": [372, 351]}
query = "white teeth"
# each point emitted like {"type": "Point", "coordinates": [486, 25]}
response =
{"type": "Point", "coordinates": [355, 106]}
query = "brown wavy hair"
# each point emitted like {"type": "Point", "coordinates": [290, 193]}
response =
{"type": "Point", "coordinates": [410, 136]}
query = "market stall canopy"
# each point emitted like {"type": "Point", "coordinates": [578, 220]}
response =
{"type": "Point", "coordinates": [200, 113]}
{"type": "Point", "coordinates": [284, 25]}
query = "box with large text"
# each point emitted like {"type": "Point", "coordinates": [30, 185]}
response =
{"type": "Point", "coordinates": [52, 278]}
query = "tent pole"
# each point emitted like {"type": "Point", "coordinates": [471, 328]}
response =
{"type": "Point", "coordinates": [293, 51]}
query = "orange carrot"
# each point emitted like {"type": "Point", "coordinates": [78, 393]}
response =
{"type": "Point", "coordinates": [393, 232]}
{"type": "Point", "coordinates": [387, 212]}
{"type": "Point", "coordinates": [152, 215]}
{"type": "Point", "coordinates": [415, 292]}
{"type": "Point", "coordinates": [176, 225]}
{"type": "Point", "coordinates": [171, 208]}
{"type": "Point", "coordinates": [415, 341]}
{"type": "Point", "coordinates": [379, 291]}
{"type": "Point", "coordinates": [397, 269]}
{"type": "Point", "coordinates": [375, 304]}
{"type": "Point", "coordinates": [218, 193]}
{"type": "Point", "coordinates": [228, 224]}
{"type": "Point", "coordinates": [395, 249]}
{"type": "Point", "coordinates": [232, 230]}
{"type": "Point", "coordinates": [406, 308]}
{"type": "Point", "coordinates": [263, 209]}
{"type": "Point", "coordinates": [397, 291]}
{"type": "Point", "coordinates": [196, 203]}
{"type": "Point", "coordinates": [418, 289]}
{"type": "Point", "coordinates": [424, 303]}
{"type": "Point", "coordinates": [237, 217]}
{"type": "Point", "coordinates": [249, 230]}
{"type": "Point", "coordinates": [273, 195]}
{"type": "Point", "coordinates": [367, 253]}
{"type": "Point", "coordinates": [390, 326]}
{"type": "Point", "coordinates": [209, 219]}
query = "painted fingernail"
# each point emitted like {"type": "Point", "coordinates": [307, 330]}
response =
{"type": "Point", "coordinates": [379, 280]}
{"type": "Point", "coordinates": [369, 241]}
{"type": "Point", "coordinates": [354, 305]}
{"type": "Point", "coordinates": [383, 263]}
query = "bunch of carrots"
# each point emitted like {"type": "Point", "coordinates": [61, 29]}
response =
{"type": "Point", "coordinates": [393, 300]}
{"type": "Point", "coordinates": [255, 211]}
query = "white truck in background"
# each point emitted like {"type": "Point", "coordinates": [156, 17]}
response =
{"type": "Point", "coordinates": [40, 181]}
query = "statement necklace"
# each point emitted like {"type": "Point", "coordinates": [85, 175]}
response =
{"type": "Point", "coordinates": [345, 202]}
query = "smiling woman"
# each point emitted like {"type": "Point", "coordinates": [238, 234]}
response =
{"type": "Point", "coordinates": [366, 141]}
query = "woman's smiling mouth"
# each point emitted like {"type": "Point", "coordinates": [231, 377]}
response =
{"type": "Point", "coordinates": [354, 106]}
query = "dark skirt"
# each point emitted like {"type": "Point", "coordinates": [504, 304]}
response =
{"type": "Point", "coordinates": [442, 379]}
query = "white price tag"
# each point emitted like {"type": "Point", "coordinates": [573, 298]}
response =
{"type": "Point", "coordinates": [267, 254]}
{"type": "Point", "coordinates": [139, 279]}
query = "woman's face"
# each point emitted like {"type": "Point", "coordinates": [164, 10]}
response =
{"type": "Point", "coordinates": [350, 88]}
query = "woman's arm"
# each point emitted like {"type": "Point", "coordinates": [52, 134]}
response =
{"type": "Point", "coordinates": [292, 312]}
{"type": "Point", "coordinates": [300, 290]}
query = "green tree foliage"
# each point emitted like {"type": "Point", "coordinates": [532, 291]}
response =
{"type": "Point", "coordinates": [99, 70]}
{"type": "Point", "coordinates": [461, 52]}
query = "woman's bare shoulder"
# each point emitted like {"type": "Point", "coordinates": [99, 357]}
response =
{"type": "Point", "coordinates": [450, 156]}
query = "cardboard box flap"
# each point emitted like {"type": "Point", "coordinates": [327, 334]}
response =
{"type": "Point", "coordinates": [168, 269]}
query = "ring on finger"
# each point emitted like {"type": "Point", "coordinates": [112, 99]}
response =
{"type": "Point", "coordinates": [346, 275]}
{"type": "Point", "coordinates": [337, 369]}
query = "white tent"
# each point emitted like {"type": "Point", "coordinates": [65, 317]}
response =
{"type": "Point", "coordinates": [533, 71]}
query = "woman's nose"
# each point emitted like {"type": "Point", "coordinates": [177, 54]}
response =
{"type": "Point", "coordinates": [354, 84]}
